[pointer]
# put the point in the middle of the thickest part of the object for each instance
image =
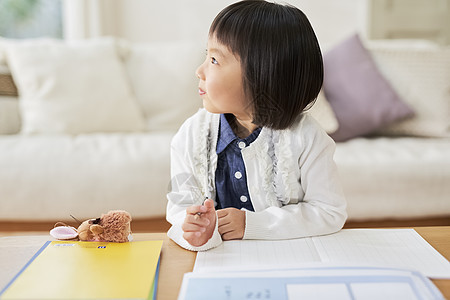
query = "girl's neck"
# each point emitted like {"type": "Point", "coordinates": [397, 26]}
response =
{"type": "Point", "coordinates": [242, 127]}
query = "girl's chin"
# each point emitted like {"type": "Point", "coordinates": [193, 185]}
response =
{"type": "Point", "coordinates": [213, 111]}
{"type": "Point", "coordinates": [208, 107]}
{"type": "Point", "coordinates": [211, 108]}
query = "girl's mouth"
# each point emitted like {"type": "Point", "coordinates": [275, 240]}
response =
{"type": "Point", "coordinates": [201, 92]}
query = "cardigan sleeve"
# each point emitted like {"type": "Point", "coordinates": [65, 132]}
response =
{"type": "Point", "coordinates": [322, 210]}
{"type": "Point", "coordinates": [185, 190]}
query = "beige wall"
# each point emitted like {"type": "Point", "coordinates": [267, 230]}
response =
{"type": "Point", "coordinates": [144, 20]}
{"type": "Point", "coordinates": [427, 19]}
{"type": "Point", "coordinates": [151, 20]}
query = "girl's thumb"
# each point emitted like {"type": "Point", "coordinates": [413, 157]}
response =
{"type": "Point", "coordinates": [209, 203]}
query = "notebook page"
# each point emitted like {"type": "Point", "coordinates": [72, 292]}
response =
{"type": "Point", "coordinates": [254, 254]}
{"type": "Point", "coordinates": [400, 248]}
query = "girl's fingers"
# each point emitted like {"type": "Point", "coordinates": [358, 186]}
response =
{"type": "Point", "coordinates": [196, 209]}
{"type": "Point", "coordinates": [230, 236]}
{"type": "Point", "coordinates": [221, 213]}
{"type": "Point", "coordinates": [195, 223]}
{"type": "Point", "coordinates": [199, 223]}
{"type": "Point", "coordinates": [190, 236]}
{"type": "Point", "coordinates": [209, 204]}
{"type": "Point", "coordinates": [226, 228]}
{"type": "Point", "coordinates": [224, 221]}
{"type": "Point", "coordinates": [191, 227]}
{"type": "Point", "coordinates": [197, 219]}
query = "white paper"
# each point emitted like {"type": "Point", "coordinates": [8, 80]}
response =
{"type": "Point", "coordinates": [400, 248]}
{"type": "Point", "coordinates": [312, 292]}
{"type": "Point", "coordinates": [252, 254]}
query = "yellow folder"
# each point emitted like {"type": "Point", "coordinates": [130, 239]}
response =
{"type": "Point", "coordinates": [88, 270]}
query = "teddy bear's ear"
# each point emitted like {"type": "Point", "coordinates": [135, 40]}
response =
{"type": "Point", "coordinates": [96, 229]}
{"type": "Point", "coordinates": [83, 235]}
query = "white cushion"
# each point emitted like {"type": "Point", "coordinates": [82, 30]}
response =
{"type": "Point", "coordinates": [324, 114]}
{"type": "Point", "coordinates": [163, 78]}
{"type": "Point", "coordinates": [9, 115]}
{"type": "Point", "coordinates": [395, 178]}
{"type": "Point", "coordinates": [50, 177]}
{"type": "Point", "coordinates": [76, 87]}
{"type": "Point", "coordinates": [420, 73]}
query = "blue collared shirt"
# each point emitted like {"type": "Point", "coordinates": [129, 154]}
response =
{"type": "Point", "coordinates": [231, 178]}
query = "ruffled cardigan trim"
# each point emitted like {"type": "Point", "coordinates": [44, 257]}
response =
{"type": "Point", "coordinates": [274, 156]}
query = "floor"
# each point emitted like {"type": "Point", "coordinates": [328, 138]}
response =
{"type": "Point", "coordinates": [161, 225]}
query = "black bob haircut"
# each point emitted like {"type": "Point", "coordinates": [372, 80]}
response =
{"type": "Point", "coordinates": [280, 58]}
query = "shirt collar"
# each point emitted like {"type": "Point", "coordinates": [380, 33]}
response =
{"type": "Point", "coordinates": [227, 136]}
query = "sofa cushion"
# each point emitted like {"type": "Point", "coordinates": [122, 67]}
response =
{"type": "Point", "coordinates": [420, 72]}
{"type": "Point", "coordinates": [397, 177]}
{"type": "Point", "coordinates": [360, 96]}
{"type": "Point", "coordinates": [72, 87]}
{"type": "Point", "coordinates": [50, 177]}
{"type": "Point", "coordinates": [163, 78]}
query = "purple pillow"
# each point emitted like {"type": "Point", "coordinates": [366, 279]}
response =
{"type": "Point", "coordinates": [360, 96]}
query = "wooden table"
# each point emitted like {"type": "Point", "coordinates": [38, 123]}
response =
{"type": "Point", "coordinates": [176, 261]}
{"type": "Point", "coordinates": [439, 238]}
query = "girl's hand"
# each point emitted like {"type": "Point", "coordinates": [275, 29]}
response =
{"type": "Point", "coordinates": [231, 223]}
{"type": "Point", "coordinates": [199, 228]}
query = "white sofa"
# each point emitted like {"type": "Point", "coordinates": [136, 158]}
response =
{"type": "Point", "coordinates": [62, 153]}
{"type": "Point", "coordinates": [75, 166]}
{"type": "Point", "coordinates": [399, 169]}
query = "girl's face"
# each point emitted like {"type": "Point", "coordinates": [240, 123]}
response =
{"type": "Point", "coordinates": [220, 84]}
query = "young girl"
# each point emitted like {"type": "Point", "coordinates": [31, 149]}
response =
{"type": "Point", "coordinates": [264, 166]}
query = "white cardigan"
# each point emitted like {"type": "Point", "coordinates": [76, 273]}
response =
{"type": "Point", "coordinates": [291, 176]}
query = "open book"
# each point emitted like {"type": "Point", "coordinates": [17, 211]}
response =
{"type": "Point", "coordinates": [350, 264]}
{"type": "Point", "coordinates": [393, 248]}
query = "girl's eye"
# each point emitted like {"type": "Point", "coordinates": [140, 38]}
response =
{"type": "Point", "coordinates": [214, 61]}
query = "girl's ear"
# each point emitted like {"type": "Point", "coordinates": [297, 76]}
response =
{"type": "Point", "coordinates": [96, 229]}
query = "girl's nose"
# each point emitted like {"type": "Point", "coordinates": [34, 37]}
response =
{"type": "Point", "coordinates": [199, 72]}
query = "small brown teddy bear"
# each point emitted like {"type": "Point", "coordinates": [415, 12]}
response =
{"type": "Point", "coordinates": [115, 226]}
